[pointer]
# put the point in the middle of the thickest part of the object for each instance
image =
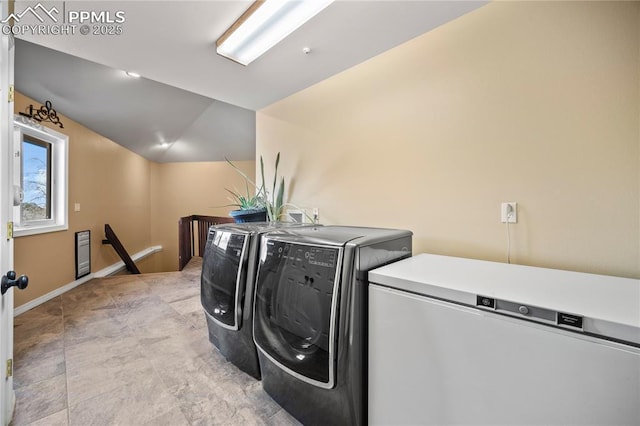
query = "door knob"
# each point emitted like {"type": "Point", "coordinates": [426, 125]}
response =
{"type": "Point", "coordinates": [10, 280]}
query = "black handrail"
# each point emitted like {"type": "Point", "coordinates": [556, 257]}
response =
{"type": "Point", "coordinates": [112, 238]}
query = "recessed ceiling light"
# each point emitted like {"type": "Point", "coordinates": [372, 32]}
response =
{"type": "Point", "coordinates": [132, 74]}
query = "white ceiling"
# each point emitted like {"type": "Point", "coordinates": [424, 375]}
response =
{"type": "Point", "coordinates": [172, 45]}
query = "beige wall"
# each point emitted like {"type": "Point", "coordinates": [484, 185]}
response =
{"type": "Point", "coordinates": [112, 186]}
{"type": "Point", "coordinates": [533, 102]}
{"type": "Point", "coordinates": [184, 189]}
{"type": "Point", "coordinates": [140, 199]}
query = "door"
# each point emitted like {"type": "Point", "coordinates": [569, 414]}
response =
{"type": "Point", "coordinates": [294, 317]}
{"type": "Point", "coordinates": [224, 269]}
{"type": "Point", "coordinates": [7, 395]}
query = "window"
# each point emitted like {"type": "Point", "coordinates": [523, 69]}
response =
{"type": "Point", "coordinates": [39, 179]}
{"type": "Point", "coordinates": [36, 180]}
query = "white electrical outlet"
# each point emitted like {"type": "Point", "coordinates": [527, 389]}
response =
{"type": "Point", "coordinates": [509, 212]}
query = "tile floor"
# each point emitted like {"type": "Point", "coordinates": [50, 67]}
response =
{"type": "Point", "coordinates": [131, 350]}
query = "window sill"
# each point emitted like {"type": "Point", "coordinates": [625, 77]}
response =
{"type": "Point", "coordinates": [34, 230]}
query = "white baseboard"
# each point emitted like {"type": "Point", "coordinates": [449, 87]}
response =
{"type": "Point", "coordinates": [117, 267]}
{"type": "Point", "coordinates": [105, 272]}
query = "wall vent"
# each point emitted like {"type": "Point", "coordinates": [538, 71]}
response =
{"type": "Point", "coordinates": [83, 253]}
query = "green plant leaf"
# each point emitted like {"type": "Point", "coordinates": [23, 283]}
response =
{"type": "Point", "coordinates": [280, 199]}
{"type": "Point", "coordinates": [243, 174]}
{"type": "Point", "coordinates": [249, 201]}
{"type": "Point", "coordinates": [275, 174]}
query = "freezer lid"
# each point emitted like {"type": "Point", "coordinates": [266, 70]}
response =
{"type": "Point", "coordinates": [602, 305]}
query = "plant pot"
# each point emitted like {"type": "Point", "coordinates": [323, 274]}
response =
{"type": "Point", "coordinates": [253, 215]}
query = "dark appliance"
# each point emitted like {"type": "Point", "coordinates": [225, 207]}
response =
{"type": "Point", "coordinates": [310, 315]}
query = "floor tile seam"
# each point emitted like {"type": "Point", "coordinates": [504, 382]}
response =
{"type": "Point", "coordinates": [30, 356]}
{"type": "Point", "coordinates": [138, 356]}
{"type": "Point", "coordinates": [67, 346]}
{"type": "Point", "coordinates": [88, 319]}
{"type": "Point", "coordinates": [136, 348]}
{"type": "Point", "coordinates": [166, 390]}
{"type": "Point", "coordinates": [185, 298]}
{"type": "Point", "coordinates": [182, 406]}
{"type": "Point", "coordinates": [122, 305]}
{"type": "Point", "coordinates": [172, 407]}
{"type": "Point", "coordinates": [79, 308]}
{"type": "Point", "coordinates": [64, 355]}
{"type": "Point", "coordinates": [97, 395]}
{"type": "Point", "coordinates": [37, 382]}
{"type": "Point", "coordinates": [64, 362]}
{"type": "Point", "coordinates": [107, 300]}
{"type": "Point", "coordinates": [48, 414]}
{"type": "Point", "coordinates": [66, 390]}
{"type": "Point", "coordinates": [166, 385]}
{"type": "Point", "coordinates": [84, 400]}
{"type": "Point", "coordinates": [136, 286]}
{"type": "Point", "coordinates": [172, 389]}
{"type": "Point", "coordinates": [102, 340]}
{"type": "Point", "coordinates": [118, 388]}
{"type": "Point", "coordinates": [35, 337]}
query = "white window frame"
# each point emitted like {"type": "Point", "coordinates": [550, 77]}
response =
{"type": "Point", "coordinates": [59, 178]}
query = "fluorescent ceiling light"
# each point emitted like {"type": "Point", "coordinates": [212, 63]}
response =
{"type": "Point", "coordinates": [264, 25]}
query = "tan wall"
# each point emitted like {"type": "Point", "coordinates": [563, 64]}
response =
{"type": "Point", "coordinates": [533, 102]}
{"type": "Point", "coordinates": [112, 186]}
{"type": "Point", "coordinates": [140, 199]}
{"type": "Point", "coordinates": [184, 189]}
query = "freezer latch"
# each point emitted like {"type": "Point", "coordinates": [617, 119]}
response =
{"type": "Point", "coordinates": [486, 302]}
{"type": "Point", "coordinates": [569, 320]}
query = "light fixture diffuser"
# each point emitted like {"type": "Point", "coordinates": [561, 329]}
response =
{"type": "Point", "coordinates": [264, 25]}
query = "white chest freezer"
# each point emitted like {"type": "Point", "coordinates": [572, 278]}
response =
{"type": "Point", "coordinates": [461, 341]}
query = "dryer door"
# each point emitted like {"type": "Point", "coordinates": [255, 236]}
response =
{"type": "Point", "coordinates": [295, 309]}
{"type": "Point", "coordinates": [223, 274]}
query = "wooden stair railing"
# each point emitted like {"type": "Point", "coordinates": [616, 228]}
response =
{"type": "Point", "coordinates": [188, 233]}
{"type": "Point", "coordinates": [185, 241]}
{"type": "Point", "coordinates": [112, 238]}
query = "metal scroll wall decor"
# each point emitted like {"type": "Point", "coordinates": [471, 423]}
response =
{"type": "Point", "coordinates": [45, 113]}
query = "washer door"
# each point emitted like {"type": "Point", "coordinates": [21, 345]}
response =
{"type": "Point", "coordinates": [223, 274]}
{"type": "Point", "coordinates": [295, 309]}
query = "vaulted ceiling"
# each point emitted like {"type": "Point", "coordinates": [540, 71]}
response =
{"type": "Point", "coordinates": [191, 104]}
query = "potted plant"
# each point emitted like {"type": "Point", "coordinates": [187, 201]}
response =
{"type": "Point", "coordinates": [250, 207]}
{"type": "Point", "coordinates": [265, 204]}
